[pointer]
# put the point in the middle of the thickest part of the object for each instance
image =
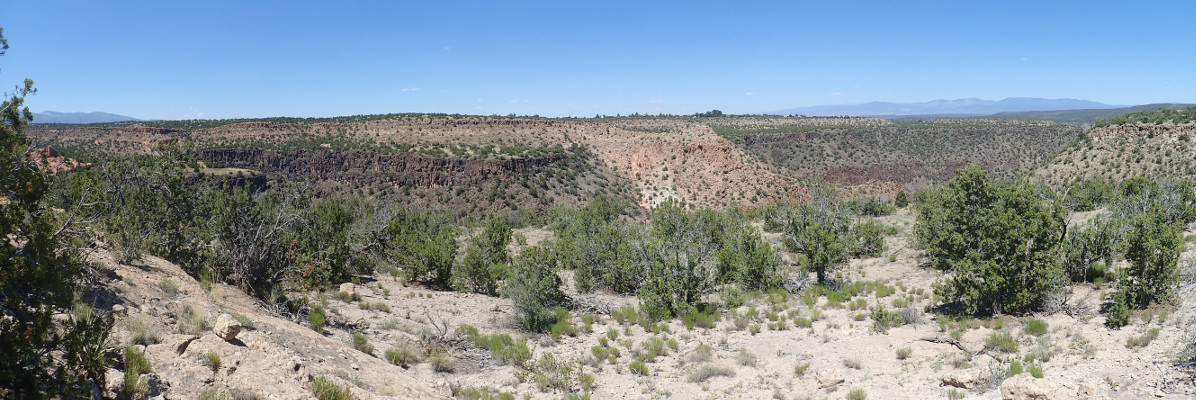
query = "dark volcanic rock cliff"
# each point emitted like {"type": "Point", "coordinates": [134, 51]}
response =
{"type": "Point", "coordinates": [362, 166]}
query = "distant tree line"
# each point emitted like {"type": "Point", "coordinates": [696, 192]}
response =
{"type": "Point", "coordinates": [1162, 115]}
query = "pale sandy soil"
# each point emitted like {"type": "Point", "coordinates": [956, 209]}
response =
{"type": "Point", "coordinates": [277, 359]}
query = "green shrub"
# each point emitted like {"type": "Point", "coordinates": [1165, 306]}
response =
{"type": "Point", "coordinates": [745, 358]}
{"type": "Point", "coordinates": [904, 353]}
{"type": "Point", "coordinates": [141, 330]}
{"type": "Point", "coordinates": [1119, 312]}
{"type": "Point", "coordinates": [1035, 371]}
{"type": "Point", "coordinates": [362, 344]}
{"type": "Point", "coordinates": [443, 359]}
{"type": "Point", "coordinates": [1153, 248]}
{"type": "Point", "coordinates": [1144, 340]}
{"type": "Point", "coordinates": [192, 320]}
{"type": "Point", "coordinates": [853, 363]}
{"type": "Point", "coordinates": [704, 372]}
{"type": "Point", "coordinates": [563, 325]}
{"type": "Point", "coordinates": [998, 241]}
{"type": "Point", "coordinates": [732, 296]}
{"type": "Point", "coordinates": [1015, 367]}
{"type": "Point", "coordinates": [869, 206]}
{"type": "Point", "coordinates": [169, 287]}
{"type": "Point", "coordinates": [211, 360]}
{"type": "Point", "coordinates": [821, 231]}
{"type": "Point", "coordinates": [637, 367]}
{"type": "Point", "coordinates": [883, 319]}
{"type": "Point", "coordinates": [227, 394]}
{"type": "Point", "coordinates": [348, 298]}
{"type": "Point", "coordinates": [599, 352]}
{"type": "Point", "coordinates": [535, 288]}
{"type": "Point", "coordinates": [868, 239]}
{"type": "Point", "coordinates": [700, 317]}
{"type": "Point", "coordinates": [245, 321]}
{"type": "Point", "coordinates": [625, 314]}
{"type": "Point", "coordinates": [502, 347]}
{"type": "Point", "coordinates": [653, 347]}
{"type": "Point", "coordinates": [1035, 326]}
{"type": "Point", "coordinates": [425, 244]}
{"type": "Point", "coordinates": [857, 394]}
{"type": "Point", "coordinates": [1001, 341]}
{"type": "Point", "coordinates": [315, 319]}
{"type": "Point", "coordinates": [40, 275]}
{"type": "Point", "coordinates": [404, 354]}
{"type": "Point", "coordinates": [325, 388]}
{"type": "Point", "coordinates": [901, 200]}
{"type": "Point", "coordinates": [800, 369]}
{"type": "Point", "coordinates": [486, 258]}
{"type": "Point", "coordinates": [135, 364]}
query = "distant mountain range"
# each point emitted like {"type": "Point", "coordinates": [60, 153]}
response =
{"type": "Point", "coordinates": [959, 107]}
{"type": "Point", "coordinates": [1077, 117]}
{"type": "Point", "coordinates": [55, 117]}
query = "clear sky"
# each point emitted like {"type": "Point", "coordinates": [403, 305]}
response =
{"type": "Point", "coordinates": [229, 59]}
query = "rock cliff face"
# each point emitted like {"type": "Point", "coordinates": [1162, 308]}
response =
{"type": "Point", "coordinates": [648, 160]}
{"type": "Point", "coordinates": [50, 161]}
{"type": "Point", "coordinates": [361, 166]}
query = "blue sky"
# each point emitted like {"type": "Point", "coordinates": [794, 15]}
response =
{"type": "Point", "coordinates": [216, 59]}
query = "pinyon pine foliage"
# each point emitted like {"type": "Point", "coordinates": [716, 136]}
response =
{"type": "Point", "coordinates": [998, 241]}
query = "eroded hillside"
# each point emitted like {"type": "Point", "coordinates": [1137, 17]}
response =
{"type": "Point", "coordinates": [861, 151]}
{"type": "Point", "coordinates": [506, 163]}
{"type": "Point", "coordinates": [1117, 152]}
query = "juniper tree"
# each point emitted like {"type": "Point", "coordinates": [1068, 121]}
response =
{"type": "Point", "coordinates": [998, 241]}
{"type": "Point", "coordinates": [39, 356]}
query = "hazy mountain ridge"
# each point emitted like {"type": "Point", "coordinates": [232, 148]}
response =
{"type": "Point", "coordinates": [969, 106]}
{"type": "Point", "coordinates": [1088, 116]}
{"type": "Point", "coordinates": [56, 117]}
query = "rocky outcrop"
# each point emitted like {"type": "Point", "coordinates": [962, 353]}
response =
{"type": "Point", "coordinates": [959, 379]}
{"type": "Point", "coordinates": [227, 327]}
{"type": "Point", "coordinates": [349, 287]}
{"type": "Point", "coordinates": [829, 377]}
{"type": "Point", "coordinates": [50, 161]}
{"type": "Point", "coordinates": [1026, 387]}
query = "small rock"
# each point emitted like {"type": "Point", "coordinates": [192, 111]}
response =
{"type": "Point", "coordinates": [1086, 390]}
{"type": "Point", "coordinates": [349, 287]}
{"type": "Point", "coordinates": [95, 389]}
{"type": "Point", "coordinates": [829, 377]}
{"type": "Point", "coordinates": [1024, 386]}
{"type": "Point", "coordinates": [113, 379]}
{"type": "Point", "coordinates": [61, 318]}
{"type": "Point", "coordinates": [227, 327]}
{"type": "Point", "coordinates": [117, 308]}
{"type": "Point", "coordinates": [959, 379]}
{"type": "Point", "coordinates": [355, 367]}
